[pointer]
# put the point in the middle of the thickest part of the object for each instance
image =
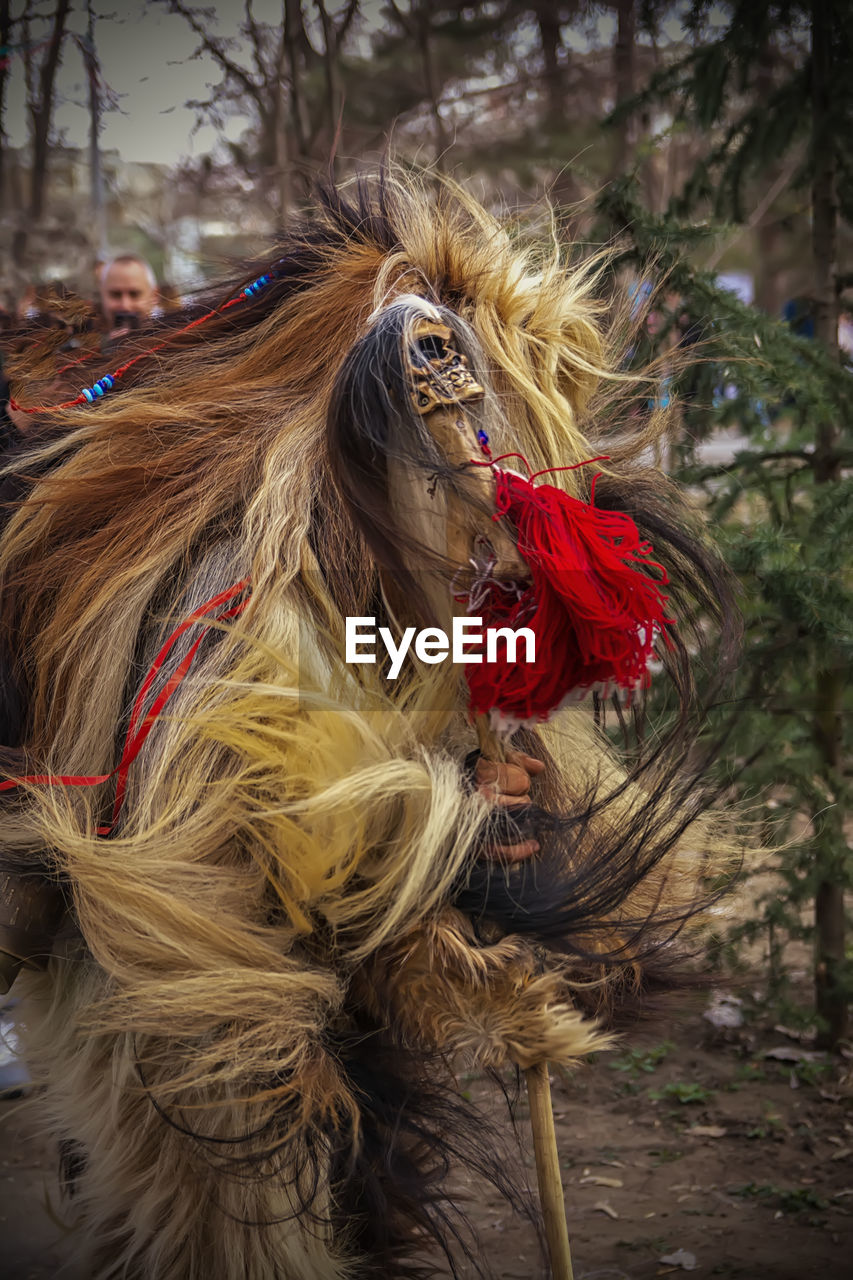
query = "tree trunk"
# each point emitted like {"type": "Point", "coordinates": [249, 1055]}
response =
{"type": "Point", "coordinates": [42, 110]}
{"type": "Point", "coordinates": [550, 40]}
{"type": "Point", "coordinates": [19, 238]}
{"type": "Point", "coordinates": [623, 74]}
{"type": "Point", "coordinates": [5, 41]}
{"type": "Point", "coordinates": [768, 240]}
{"type": "Point", "coordinates": [829, 897]}
{"type": "Point", "coordinates": [279, 177]}
{"type": "Point", "coordinates": [767, 230]}
{"type": "Point", "coordinates": [333, 91]}
{"type": "Point", "coordinates": [294, 43]}
{"type": "Point", "coordinates": [431, 83]}
{"type": "Point", "coordinates": [96, 180]}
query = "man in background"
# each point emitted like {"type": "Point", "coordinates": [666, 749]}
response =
{"type": "Point", "coordinates": [128, 290]}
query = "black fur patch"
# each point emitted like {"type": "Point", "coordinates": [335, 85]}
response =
{"type": "Point", "coordinates": [390, 1202]}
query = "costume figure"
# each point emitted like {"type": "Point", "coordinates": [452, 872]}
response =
{"type": "Point", "coordinates": [290, 906]}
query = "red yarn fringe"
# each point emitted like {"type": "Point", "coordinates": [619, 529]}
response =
{"type": "Point", "coordinates": [595, 612]}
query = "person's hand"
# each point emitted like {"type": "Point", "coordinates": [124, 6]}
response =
{"type": "Point", "coordinates": [508, 783]}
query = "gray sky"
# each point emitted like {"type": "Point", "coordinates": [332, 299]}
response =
{"type": "Point", "coordinates": [144, 53]}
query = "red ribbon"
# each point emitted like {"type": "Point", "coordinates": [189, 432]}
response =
{"type": "Point", "coordinates": [123, 368]}
{"type": "Point", "coordinates": [140, 727]}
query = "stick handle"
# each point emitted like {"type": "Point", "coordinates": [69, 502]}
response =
{"type": "Point", "coordinates": [541, 1112]}
{"type": "Point", "coordinates": [548, 1171]}
{"type": "Point", "coordinates": [491, 748]}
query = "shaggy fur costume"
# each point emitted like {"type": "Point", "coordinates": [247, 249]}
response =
{"type": "Point", "coordinates": [271, 966]}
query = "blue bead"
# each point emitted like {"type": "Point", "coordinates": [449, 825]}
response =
{"type": "Point", "coordinates": [482, 437]}
{"type": "Point", "coordinates": [108, 381]}
{"type": "Point", "coordinates": [98, 389]}
{"type": "Point", "coordinates": [88, 394]}
{"type": "Point", "coordinates": [255, 287]}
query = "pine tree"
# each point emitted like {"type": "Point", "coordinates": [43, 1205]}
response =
{"type": "Point", "coordinates": [785, 503]}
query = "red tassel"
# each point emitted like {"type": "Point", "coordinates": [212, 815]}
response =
{"type": "Point", "coordinates": [594, 611]}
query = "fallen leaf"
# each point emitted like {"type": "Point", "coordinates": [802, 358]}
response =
{"type": "Point", "coordinates": [794, 1033]}
{"type": "Point", "coordinates": [842, 1153]}
{"type": "Point", "coordinates": [604, 1207]}
{"type": "Point", "coordinates": [681, 1258]}
{"type": "Point", "coordinates": [787, 1053]}
{"type": "Point", "coordinates": [596, 1181]}
{"type": "Point", "coordinates": [707, 1131]}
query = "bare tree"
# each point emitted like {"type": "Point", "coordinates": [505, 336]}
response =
{"type": "Point", "coordinates": [333, 37]}
{"type": "Point", "coordinates": [96, 181]}
{"type": "Point", "coordinates": [549, 17]}
{"type": "Point", "coordinates": [260, 86]}
{"type": "Point", "coordinates": [416, 22]}
{"type": "Point", "coordinates": [624, 59]}
{"type": "Point", "coordinates": [267, 71]}
{"type": "Point", "coordinates": [830, 917]}
{"type": "Point", "coordinates": [41, 109]}
{"type": "Point", "coordinates": [5, 42]}
{"type": "Point", "coordinates": [40, 79]}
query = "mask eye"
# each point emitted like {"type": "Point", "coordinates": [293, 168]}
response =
{"type": "Point", "coordinates": [432, 347]}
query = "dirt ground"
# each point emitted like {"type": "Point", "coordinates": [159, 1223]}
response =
{"type": "Point", "coordinates": [689, 1149]}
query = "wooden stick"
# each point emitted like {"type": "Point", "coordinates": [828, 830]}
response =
{"type": "Point", "coordinates": [548, 1171]}
{"type": "Point", "coordinates": [541, 1111]}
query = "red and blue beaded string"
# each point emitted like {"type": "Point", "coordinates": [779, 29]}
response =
{"type": "Point", "coordinates": [90, 395]}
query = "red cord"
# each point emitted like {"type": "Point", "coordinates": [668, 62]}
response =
{"type": "Point", "coordinates": [136, 736]}
{"type": "Point", "coordinates": [122, 369]}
